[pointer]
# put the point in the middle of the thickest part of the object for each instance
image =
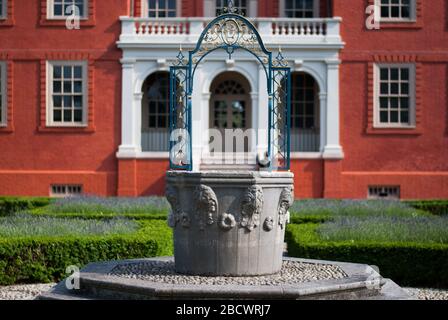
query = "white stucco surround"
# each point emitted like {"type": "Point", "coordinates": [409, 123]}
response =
{"type": "Point", "coordinates": [142, 57]}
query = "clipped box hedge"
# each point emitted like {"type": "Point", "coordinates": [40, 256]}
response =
{"type": "Point", "coordinates": [10, 205]}
{"type": "Point", "coordinates": [38, 260]}
{"type": "Point", "coordinates": [408, 264]}
{"type": "Point", "coordinates": [437, 207]}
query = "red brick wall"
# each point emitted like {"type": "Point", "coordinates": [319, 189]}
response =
{"type": "Point", "coordinates": [36, 157]}
{"type": "Point", "coordinates": [414, 159]}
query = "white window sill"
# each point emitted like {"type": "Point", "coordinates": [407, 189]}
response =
{"type": "Point", "coordinates": [67, 126]}
{"type": "Point", "coordinates": [394, 127]}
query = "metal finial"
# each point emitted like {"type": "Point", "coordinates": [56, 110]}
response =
{"type": "Point", "coordinates": [180, 57]}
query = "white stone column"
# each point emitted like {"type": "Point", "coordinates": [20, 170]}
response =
{"type": "Point", "coordinates": [333, 149]}
{"type": "Point", "coordinates": [130, 145]}
{"type": "Point", "coordinates": [323, 120]}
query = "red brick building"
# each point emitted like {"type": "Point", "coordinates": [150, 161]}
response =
{"type": "Point", "coordinates": [85, 110]}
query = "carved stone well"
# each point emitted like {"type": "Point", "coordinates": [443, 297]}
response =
{"type": "Point", "coordinates": [229, 223]}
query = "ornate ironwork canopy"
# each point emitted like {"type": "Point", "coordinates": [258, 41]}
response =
{"type": "Point", "coordinates": [230, 32]}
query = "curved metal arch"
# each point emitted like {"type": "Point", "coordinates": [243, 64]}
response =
{"type": "Point", "coordinates": [230, 16]}
{"type": "Point", "coordinates": [230, 32]}
{"type": "Point", "coordinates": [266, 69]}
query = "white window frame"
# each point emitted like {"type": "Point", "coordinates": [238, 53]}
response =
{"type": "Point", "coordinates": [4, 93]}
{"type": "Point", "coordinates": [316, 9]}
{"type": "Point", "coordinates": [52, 16]}
{"type": "Point", "coordinates": [4, 5]}
{"type": "Point", "coordinates": [145, 9]}
{"type": "Point", "coordinates": [412, 15]}
{"type": "Point", "coordinates": [251, 6]}
{"type": "Point", "coordinates": [412, 96]}
{"type": "Point", "coordinates": [85, 93]}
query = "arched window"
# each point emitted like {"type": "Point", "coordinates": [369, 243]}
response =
{"type": "Point", "coordinates": [155, 112]}
{"type": "Point", "coordinates": [305, 132]}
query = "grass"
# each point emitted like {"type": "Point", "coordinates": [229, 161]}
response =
{"type": "Point", "coordinates": [386, 229]}
{"type": "Point", "coordinates": [22, 225]}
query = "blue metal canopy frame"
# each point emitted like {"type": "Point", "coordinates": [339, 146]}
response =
{"type": "Point", "coordinates": [230, 32]}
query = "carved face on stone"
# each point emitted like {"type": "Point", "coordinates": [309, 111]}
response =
{"type": "Point", "coordinates": [206, 205]}
{"type": "Point", "coordinates": [268, 224]}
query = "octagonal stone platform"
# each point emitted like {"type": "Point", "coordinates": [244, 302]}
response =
{"type": "Point", "coordinates": [129, 280]}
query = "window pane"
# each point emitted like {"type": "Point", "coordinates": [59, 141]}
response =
{"type": "Point", "coordinates": [384, 103]}
{"type": "Point", "coordinates": [405, 116]}
{"type": "Point", "coordinates": [384, 74]}
{"type": "Point", "coordinates": [57, 10]}
{"type": "Point", "coordinates": [57, 115]}
{"type": "Point", "coordinates": [77, 87]}
{"type": "Point", "coordinates": [384, 88]}
{"type": "Point", "coordinates": [78, 72]}
{"type": "Point", "coordinates": [78, 115]}
{"type": "Point", "coordinates": [404, 88]}
{"type": "Point", "coordinates": [67, 101]}
{"type": "Point", "coordinates": [394, 116]}
{"type": "Point", "coordinates": [57, 101]}
{"type": "Point", "coordinates": [394, 103]}
{"type": "Point", "coordinates": [67, 72]}
{"type": "Point", "coordinates": [395, 12]}
{"type": "Point", "coordinates": [394, 88]}
{"type": "Point", "coordinates": [394, 74]}
{"type": "Point", "coordinates": [404, 103]}
{"type": "Point", "coordinates": [384, 118]}
{"type": "Point", "coordinates": [57, 72]}
{"type": "Point", "coordinates": [78, 101]}
{"type": "Point", "coordinates": [404, 74]}
{"type": "Point", "coordinates": [68, 115]}
{"type": "Point", "coordinates": [67, 86]}
{"type": "Point", "coordinates": [57, 87]}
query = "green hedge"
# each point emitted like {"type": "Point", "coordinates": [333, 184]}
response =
{"type": "Point", "coordinates": [28, 260]}
{"type": "Point", "coordinates": [409, 264]}
{"type": "Point", "coordinates": [437, 207]}
{"type": "Point", "coordinates": [10, 205]}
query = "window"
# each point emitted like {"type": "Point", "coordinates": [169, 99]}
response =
{"type": "Point", "coordinates": [397, 10]}
{"type": "Point", "coordinates": [384, 192]}
{"type": "Point", "coordinates": [3, 9]}
{"type": "Point", "coordinates": [67, 93]}
{"type": "Point", "coordinates": [155, 112]}
{"type": "Point", "coordinates": [3, 94]}
{"type": "Point", "coordinates": [60, 9]}
{"type": "Point", "coordinates": [59, 191]}
{"type": "Point", "coordinates": [300, 8]}
{"type": "Point", "coordinates": [240, 4]}
{"type": "Point", "coordinates": [160, 8]}
{"type": "Point", "coordinates": [395, 99]}
{"type": "Point", "coordinates": [305, 133]}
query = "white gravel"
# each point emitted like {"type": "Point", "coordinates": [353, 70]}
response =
{"type": "Point", "coordinates": [292, 273]}
{"type": "Point", "coordinates": [428, 294]}
{"type": "Point", "coordinates": [24, 292]}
